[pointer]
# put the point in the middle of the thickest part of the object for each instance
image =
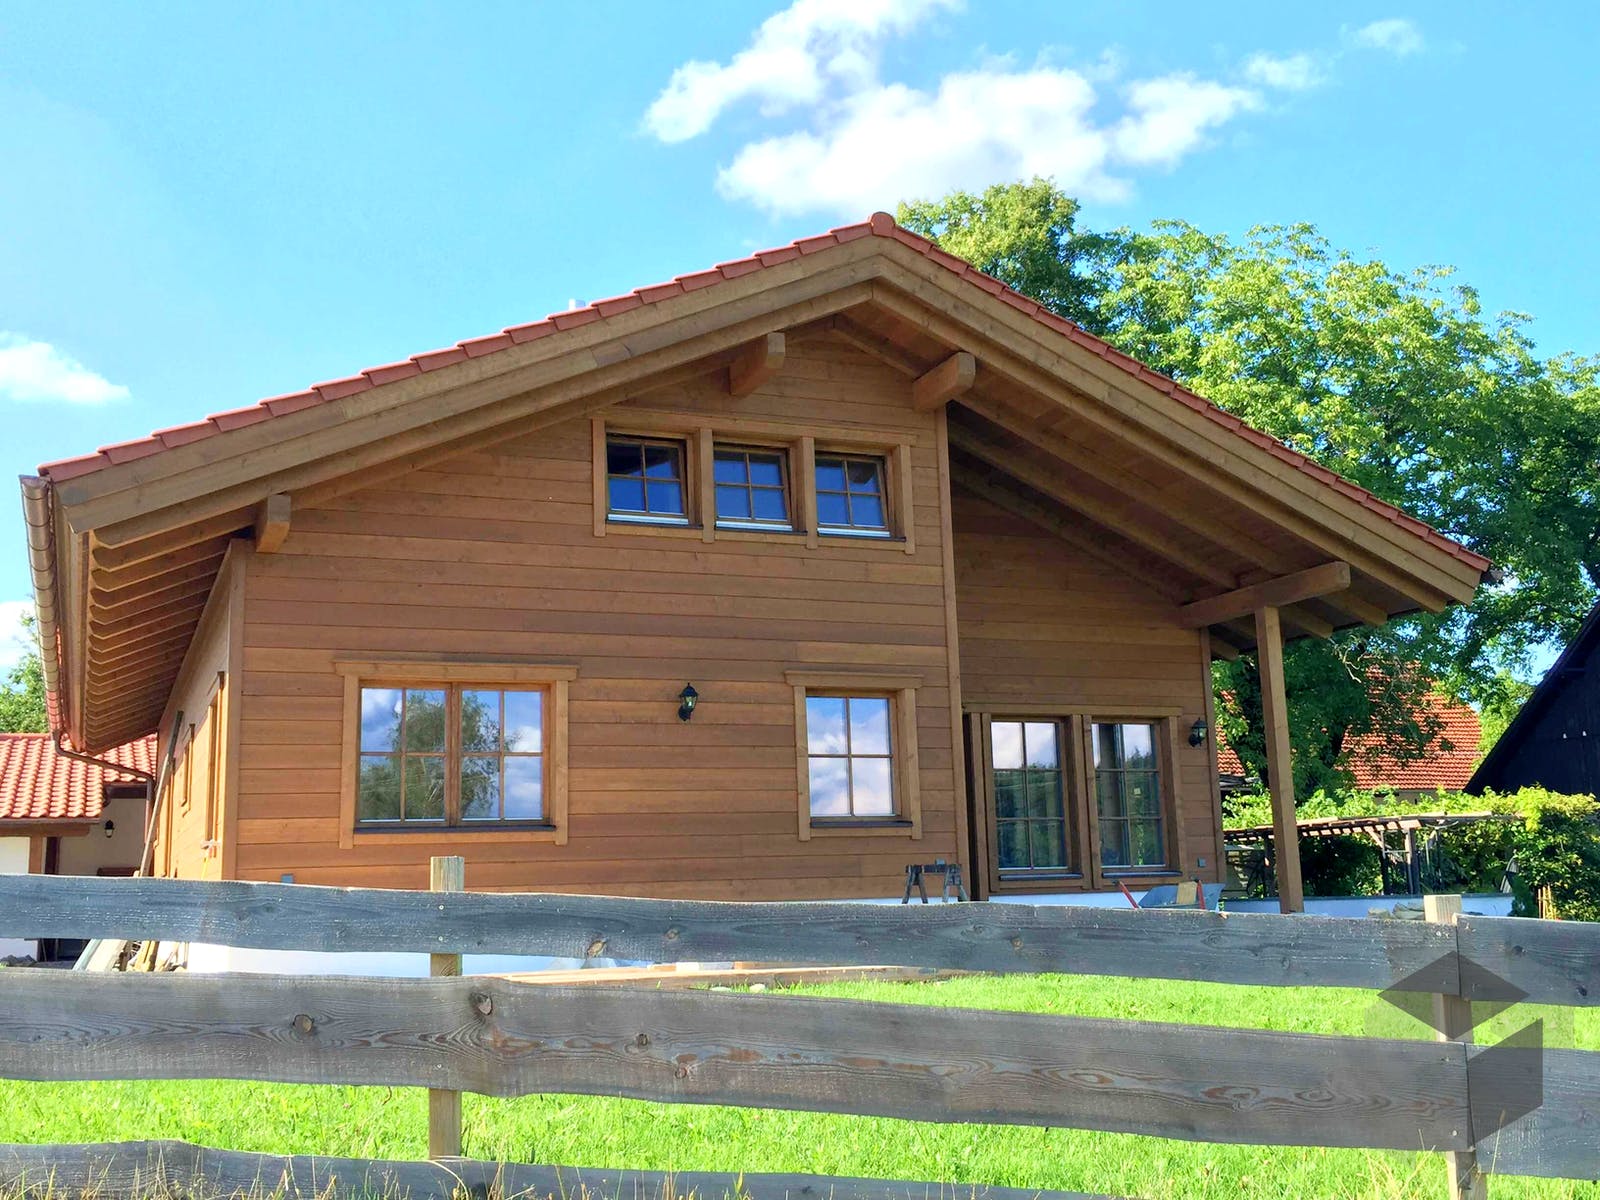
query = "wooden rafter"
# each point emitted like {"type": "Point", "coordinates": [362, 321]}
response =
{"type": "Point", "coordinates": [272, 523]}
{"type": "Point", "coordinates": [756, 363]}
{"type": "Point", "coordinates": [951, 378]}
{"type": "Point", "coordinates": [1285, 589]}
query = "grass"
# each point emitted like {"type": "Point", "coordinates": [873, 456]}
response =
{"type": "Point", "coordinates": [593, 1131]}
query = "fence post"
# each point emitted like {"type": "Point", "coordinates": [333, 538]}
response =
{"type": "Point", "coordinates": [1452, 1021]}
{"type": "Point", "coordinates": [446, 873]}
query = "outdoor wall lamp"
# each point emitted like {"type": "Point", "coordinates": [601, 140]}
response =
{"type": "Point", "coordinates": [111, 828]}
{"type": "Point", "coordinates": [1198, 731]}
{"type": "Point", "coordinates": [687, 699]}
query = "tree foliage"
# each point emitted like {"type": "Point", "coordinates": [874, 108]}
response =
{"type": "Point", "coordinates": [22, 701]}
{"type": "Point", "coordinates": [1397, 380]}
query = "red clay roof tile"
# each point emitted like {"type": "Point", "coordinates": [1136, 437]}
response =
{"type": "Point", "coordinates": [38, 784]}
{"type": "Point", "coordinates": [880, 225]}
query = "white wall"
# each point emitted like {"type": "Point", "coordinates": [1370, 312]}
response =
{"type": "Point", "coordinates": [87, 854]}
{"type": "Point", "coordinates": [14, 861]}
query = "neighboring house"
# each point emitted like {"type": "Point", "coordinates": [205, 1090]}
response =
{"type": "Point", "coordinates": [60, 815]}
{"type": "Point", "coordinates": [945, 572]}
{"type": "Point", "coordinates": [1554, 740]}
{"type": "Point", "coordinates": [1447, 765]}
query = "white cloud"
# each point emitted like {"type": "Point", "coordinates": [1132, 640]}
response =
{"type": "Point", "coordinates": [1396, 35]}
{"type": "Point", "coordinates": [13, 642]}
{"type": "Point", "coordinates": [792, 58]}
{"type": "Point", "coordinates": [1292, 73]}
{"type": "Point", "coordinates": [1169, 117]}
{"type": "Point", "coordinates": [34, 372]}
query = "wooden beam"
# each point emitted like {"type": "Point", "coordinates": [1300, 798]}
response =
{"type": "Point", "coordinates": [1280, 766]}
{"type": "Point", "coordinates": [755, 364]}
{"type": "Point", "coordinates": [1285, 589]}
{"type": "Point", "coordinates": [945, 382]}
{"type": "Point", "coordinates": [272, 523]}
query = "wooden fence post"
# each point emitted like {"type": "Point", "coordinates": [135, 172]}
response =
{"type": "Point", "coordinates": [446, 873]}
{"type": "Point", "coordinates": [1452, 1022]}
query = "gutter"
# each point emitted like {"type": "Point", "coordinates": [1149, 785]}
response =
{"type": "Point", "coordinates": [38, 512]}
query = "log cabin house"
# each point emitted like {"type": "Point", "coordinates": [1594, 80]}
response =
{"type": "Point", "coordinates": [761, 583]}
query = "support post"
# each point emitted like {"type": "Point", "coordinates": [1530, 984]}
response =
{"type": "Point", "coordinates": [446, 873]}
{"type": "Point", "coordinates": [1452, 1021]}
{"type": "Point", "coordinates": [1280, 766]}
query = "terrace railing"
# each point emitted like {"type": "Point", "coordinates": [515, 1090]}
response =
{"type": "Point", "coordinates": [1515, 1108]}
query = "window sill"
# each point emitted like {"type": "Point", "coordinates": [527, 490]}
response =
{"type": "Point", "coordinates": [891, 827]}
{"type": "Point", "coordinates": [754, 533]}
{"type": "Point", "coordinates": [656, 528]}
{"type": "Point", "coordinates": [1127, 873]}
{"type": "Point", "coordinates": [378, 835]}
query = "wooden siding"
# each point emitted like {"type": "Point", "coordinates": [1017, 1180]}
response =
{"type": "Point", "coordinates": [1047, 629]}
{"type": "Point", "coordinates": [495, 552]}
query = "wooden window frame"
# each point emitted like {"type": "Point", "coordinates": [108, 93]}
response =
{"type": "Point", "coordinates": [1078, 778]}
{"type": "Point", "coordinates": [784, 453]}
{"type": "Point", "coordinates": [689, 519]}
{"type": "Point", "coordinates": [799, 442]}
{"type": "Point", "coordinates": [552, 678]}
{"type": "Point", "coordinates": [905, 769]}
{"type": "Point", "coordinates": [1072, 815]}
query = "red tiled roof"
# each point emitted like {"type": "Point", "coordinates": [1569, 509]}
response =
{"type": "Point", "coordinates": [1374, 768]}
{"type": "Point", "coordinates": [37, 784]}
{"type": "Point", "coordinates": [879, 225]}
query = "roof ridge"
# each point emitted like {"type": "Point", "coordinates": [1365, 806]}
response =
{"type": "Point", "coordinates": [879, 224]}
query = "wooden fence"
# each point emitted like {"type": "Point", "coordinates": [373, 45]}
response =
{"type": "Point", "coordinates": [493, 1036]}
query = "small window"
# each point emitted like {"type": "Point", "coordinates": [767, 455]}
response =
{"type": "Point", "coordinates": [752, 488]}
{"type": "Point", "coordinates": [851, 496]}
{"type": "Point", "coordinates": [1032, 830]}
{"type": "Point", "coordinates": [1127, 785]}
{"type": "Point", "coordinates": [850, 750]}
{"type": "Point", "coordinates": [645, 480]}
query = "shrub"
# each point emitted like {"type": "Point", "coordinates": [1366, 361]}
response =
{"type": "Point", "coordinates": [1340, 866]}
{"type": "Point", "coordinates": [1557, 846]}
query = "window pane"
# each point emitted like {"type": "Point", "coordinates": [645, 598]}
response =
{"type": "Point", "coordinates": [863, 475]}
{"type": "Point", "coordinates": [1013, 839]}
{"type": "Point", "coordinates": [825, 731]}
{"type": "Point", "coordinates": [1007, 739]}
{"type": "Point", "coordinates": [1044, 794]}
{"type": "Point", "coordinates": [624, 458]}
{"type": "Point", "coordinates": [869, 725]}
{"type": "Point", "coordinates": [769, 505]}
{"type": "Point", "coordinates": [524, 722]}
{"type": "Point", "coordinates": [733, 503]}
{"type": "Point", "coordinates": [1049, 844]}
{"type": "Point", "coordinates": [832, 509]}
{"type": "Point", "coordinates": [1106, 752]}
{"type": "Point", "coordinates": [872, 794]}
{"type": "Point", "coordinates": [1108, 793]}
{"type": "Point", "coordinates": [1141, 793]}
{"type": "Point", "coordinates": [378, 788]}
{"type": "Point", "coordinates": [830, 474]}
{"type": "Point", "coordinates": [866, 512]}
{"type": "Point", "coordinates": [830, 788]}
{"type": "Point", "coordinates": [626, 495]}
{"type": "Point", "coordinates": [1041, 744]}
{"type": "Point", "coordinates": [380, 718]}
{"type": "Point", "coordinates": [1139, 747]}
{"type": "Point", "coordinates": [666, 499]}
{"type": "Point", "coordinates": [1145, 844]}
{"type": "Point", "coordinates": [524, 789]}
{"type": "Point", "coordinates": [661, 462]}
{"type": "Point", "coordinates": [480, 788]}
{"type": "Point", "coordinates": [1114, 844]}
{"type": "Point", "coordinates": [480, 721]}
{"type": "Point", "coordinates": [766, 470]}
{"type": "Point", "coordinates": [424, 798]}
{"type": "Point", "coordinates": [729, 467]}
{"type": "Point", "coordinates": [1010, 799]}
{"type": "Point", "coordinates": [425, 719]}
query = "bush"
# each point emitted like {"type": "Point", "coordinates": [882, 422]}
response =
{"type": "Point", "coordinates": [1340, 866]}
{"type": "Point", "coordinates": [1557, 846]}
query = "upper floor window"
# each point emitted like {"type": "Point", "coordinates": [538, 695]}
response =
{"type": "Point", "coordinates": [645, 480]}
{"type": "Point", "coordinates": [851, 495]}
{"type": "Point", "coordinates": [1127, 786]}
{"type": "Point", "coordinates": [752, 488]}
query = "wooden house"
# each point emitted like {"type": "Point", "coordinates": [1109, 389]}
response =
{"type": "Point", "coordinates": [765, 582]}
{"type": "Point", "coordinates": [1554, 740]}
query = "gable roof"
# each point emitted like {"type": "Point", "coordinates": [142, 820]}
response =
{"type": "Point", "coordinates": [1374, 767]}
{"type": "Point", "coordinates": [126, 541]}
{"type": "Point", "coordinates": [39, 784]}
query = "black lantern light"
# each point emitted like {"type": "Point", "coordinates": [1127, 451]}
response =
{"type": "Point", "coordinates": [1198, 731]}
{"type": "Point", "coordinates": [111, 828]}
{"type": "Point", "coordinates": [686, 701]}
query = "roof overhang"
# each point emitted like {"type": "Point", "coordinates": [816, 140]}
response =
{"type": "Point", "coordinates": [1044, 420]}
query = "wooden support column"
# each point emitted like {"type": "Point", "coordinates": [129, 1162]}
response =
{"type": "Point", "coordinates": [1280, 766]}
{"type": "Point", "coordinates": [446, 873]}
{"type": "Point", "coordinates": [1452, 1022]}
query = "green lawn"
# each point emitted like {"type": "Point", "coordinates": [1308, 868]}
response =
{"type": "Point", "coordinates": [391, 1123]}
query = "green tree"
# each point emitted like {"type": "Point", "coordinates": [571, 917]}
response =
{"type": "Point", "coordinates": [1398, 381]}
{"type": "Point", "coordinates": [22, 700]}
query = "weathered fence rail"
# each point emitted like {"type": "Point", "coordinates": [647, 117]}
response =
{"type": "Point", "coordinates": [498, 1037]}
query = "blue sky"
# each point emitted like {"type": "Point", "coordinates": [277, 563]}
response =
{"type": "Point", "coordinates": [204, 205]}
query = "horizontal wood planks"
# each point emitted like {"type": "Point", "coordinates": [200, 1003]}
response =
{"type": "Point", "coordinates": [1560, 1137]}
{"type": "Point", "coordinates": [129, 1170]}
{"type": "Point", "coordinates": [1257, 949]}
{"type": "Point", "coordinates": [501, 1038]}
{"type": "Point", "coordinates": [1553, 962]}
{"type": "Point", "coordinates": [494, 553]}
